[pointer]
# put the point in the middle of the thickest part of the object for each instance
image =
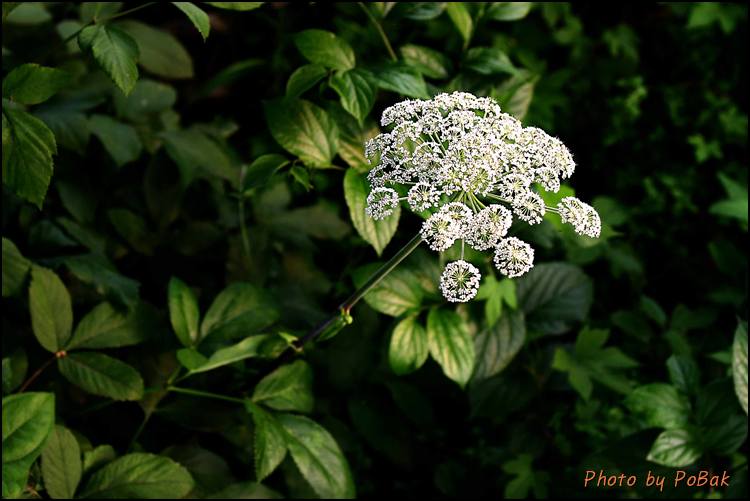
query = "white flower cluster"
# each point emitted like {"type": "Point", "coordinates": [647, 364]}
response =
{"type": "Point", "coordinates": [478, 167]}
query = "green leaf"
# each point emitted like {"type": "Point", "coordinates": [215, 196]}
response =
{"type": "Point", "coordinates": [98, 457]}
{"type": "Point", "coordinates": [508, 11]}
{"type": "Point", "coordinates": [318, 457]}
{"type": "Point", "coordinates": [27, 13]}
{"type": "Point", "coordinates": [525, 478]}
{"type": "Point", "coordinates": [96, 270]}
{"type": "Point", "coordinates": [288, 388]}
{"type": "Point", "coordinates": [376, 233]}
{"type": "Point", "coordinates": [408, 349]}
{"type": "Point", "coordinates": [103, 375]}
{"type": "Point", "coordinates": [8, 7]}
{"type": "Point", "coordinates": [496, 346]}
{"type": "Point", "coordinates": [240, 6]}
{"type": "Point", "coordinates": [139, 475]}
{"type": "Point", "coordinates": [269, 445]}
{"type": "Point", "coordinates": [461, 19]}
{"type": "Point", "coordinates": [554, 296]}
{"type": "Point", "coordinates": [450, 344]}
{"type": "Point", "coordinates": [15, 367]}
{"type": "Point", "coordinates": [98, 11]}
{"type": "Point", "coordinates": [240, 309]}
{"type": "Point", "coordinates": [739, 363]}
{"type": "Point", "coordinates": [398, 292]}
{"type": "Point", "coordinates": [303, 79]}
{"type": "Point", "coordinates": [132, 228]}
{"type": "Point", "coordinates": [489, 61]}
{"type": "Point", "coordinates": [429, 62]}
{"type": "Point", "coordinates": [659, 405]}
{"type": "Point", "coordinates": [34, 84]}
{"type": "Point", "coordinates": [325, 48]}
{"type": "Point", "coordinates": [736, 208]}
{"type": "Point", "coordinates": [197, 16]}
{"type": "Point", "coordinates": [61, 464]}
{"type": "Point", "coordinates": [27, 421]}
{"type": "Point", "coordinates": [400, 78]}
{"type": "Point", "coordinates": [159, 52]}
{"type": "Point", "coordinates": [684, 373]}
{"type": "Point", "coordinates": [115, 52]}
{"type": "Point", "coordinates": [246, 490]}
{"type": "Point", "coordinates": [15, 268]}
{"type": "Point", "coordinates": [260, 171]}
{"type": "Point", "coordinates": [51, 309]}
{"type": "Point", "coordinates": [120, 140]}
{"type": "Point", "coordinates": [195, 153]}
{"type": "Point", "coordinates": [303, 129]}
{"type": "Point", "coordinates": [148, 98]}
{"type": "Point", "coordinates": [254, 346]}
{"type": "Point", "coordinates": [674, 448]}
{"type": "Point", "coordinates": [356, 92]}
{"type": "Point", "coordinates": [183, 312]}
{"type": "Point", "coordinates": [106, 327]}
{"type": "Point", "coordinates": [28, 146]}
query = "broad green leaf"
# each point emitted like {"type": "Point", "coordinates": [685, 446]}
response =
{"type": "Point", "coordinates": [525, 479]}
{"type": "Point", "coordinates": [246, 490]}
{"type": "Point", "coordinates": [408, 348]}
{"type": "Point", "coordinates": [736, 208]}
{"type": "Point", "coordinates": [239, 310]}
{"type": "Point", "coordinates": [429, 62]}
{"type": "Point", "coordinates": [196, 153]}
{"type": "Point", "coordinates": [106, 327]}
{"type": "Point", "coordinates": [554, 296]}
{"type": "Point", "coordinates": [27, 13]}
{"type": "Point", "coordinates": [508, 11]}
{"type": "Point", "coordinates": [288, 388]}
{"type": "Point", "coordinates": [28, 146]}
{"type": "Point", "coordinates": [352, 136]}
{"type": "Point", "coordinates": [398, 292]}
{"type": "Point", "coordinates": [489, 61]}
{"type": "Point", "coordinates": [356, 92]}
{"type": "Point", "coordinates": [34, 84]}
{"type": "Point", "coordinates": [303, 79]}
{"type": "Point", "coordinates": [320, 221]}
{"type": "Point", "coordinates": [148, 98]}
{"type": "Point", "coordinates": [197, 16]}
{"type": "Point", "coordinates": [15, 268]}
{"type": "Point", "coordinates": [684, 373]}
{"type": "Point", "coordinates": [260, 171]}
{"type": "Point", "coordinates": [96, 270]}
{"type": "Point", "coordinates": [132, 227]}
{"type": "Point", "coordinates": [98, 457]}
{"type": "Point", "coordinates": [450, 344]}
{"type": "Point", "coordinates": [183, 312]}
{"type": "Point", "coordinates": [496, 346]}
{"type": "Point", "coordinates": [98, 11]}
{"type": "Point", "coordinates": [400, 78]}
{"type": "Point", "coordinates": [61, 464]}
{"type": "Point", "coordinates": [15, 367]}
{"type": "Point", "coordinates": [241, 6]}
{"type": "Point", "coordinates": [70, 127]}
{"type": "Point", "coordinates": [659, 405]}
{"type": "Point", "coordinates": [159, 52]}
{"type": "Point", "coordinates": [120, 140]}
{"type": "Point", "coordinates": [325, 48]}
{"type": "Point", "coordinates": [115, 51]}
{"type": "Point", "coordinates": [674, 448]}
{"type": "Point", "coordinates": [516, 93]}
{"type": "Point", "coordinates": [269, 444]}
{"type": "Point", "coordinates": [318, 457]}
{"type": "Point", "coordinates": [254, 346]}
{"type": "Point", "coordinates": [139, 475]}
{"type": "Point", "coordinates": [27, 422]}
{"type": "Point", "coordinates": [51, 309]}
{"type": "Point", "coordinates": [8, 7]}
{"type": "Point", "coordinates": [419, 11]}
{"type": "Point", "coordinates": [103, 375]}
{"type": "Point", "coordinates": [461, 18]}
{"type": "Point", "coordinates": [739, 363]}
{"type": "Point", "coordinates": [303, 129]}
{"type": "Point", "coordinates": [376, 233]}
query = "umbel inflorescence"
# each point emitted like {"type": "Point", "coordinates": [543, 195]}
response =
{"type": "Point", "coordinates": [477, 168]}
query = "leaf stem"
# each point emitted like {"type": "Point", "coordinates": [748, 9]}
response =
{"type": "Point", "coordinates": [380, 30]}
{"type": "Point", "coordinates": [205, 394]}
{"type": "Point", "coordinates": [106, 19]}
{"type": "Point", "coordinates": [241, 216]}
{"type": "Point", "coordinates": [36, 374]}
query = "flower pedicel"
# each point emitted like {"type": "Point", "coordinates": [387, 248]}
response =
{"type": "Point", "coordinates": [477, 167]}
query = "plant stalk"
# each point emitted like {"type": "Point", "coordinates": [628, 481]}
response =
{"type": "Point", "coordinates": [378, 27]}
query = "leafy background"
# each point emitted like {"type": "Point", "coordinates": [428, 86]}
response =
{"type": "Point", "coordinates": [182, 199]}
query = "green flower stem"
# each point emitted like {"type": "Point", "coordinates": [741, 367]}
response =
{"type": "Point", "coordinates": [205, 394]}
{"type": "Point", "coordinates": [380, 30]}
{"type": "Point", "coordinates": [343, 318]}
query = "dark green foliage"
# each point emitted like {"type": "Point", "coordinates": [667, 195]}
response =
{"type": "Point", "coordinates": [157, 278]}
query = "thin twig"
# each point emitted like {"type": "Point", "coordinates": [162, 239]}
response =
{"type": "Point", "coordinates": [36, 374]}
{"type": "Point", "coordinates": [380, 30]}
